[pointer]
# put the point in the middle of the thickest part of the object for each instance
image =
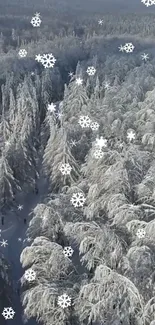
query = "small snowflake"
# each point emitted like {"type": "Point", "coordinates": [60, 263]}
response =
{"type": "Point", "coordinates": [84, 121]}
{"type": "Point", "coordinates": [140, 233]}
{"type": "Point", "coordinates": [70, 74]}
{"type": "Point", "coordinates": [91, 71]}
{"type": "Point", "coordinates": [4, 243]}
{"type": "Point", "coordinates": [98, 154]}
{"type": "Point", "coordinates": [22, 53]}
{"type": "Point", "coordinates": [145, 57]}
{"type": "Point", "coordinates": [131, 135]}
{"type": "Point", "coordinates": [78, 200]}
{"type": "Point", "coordinates": [19, 239]}
{"type": "Point", "coordinates": [36, 21]}
{"type": "Point", "coordinates": [101, 142]}
{"type": "Point", "coordinates": [8, 313]}
{"type": "Point", "coordinates": [79, 81]}
{"type": "Point", "coordinates": [48, 60]}
{"type": "Point", "coordinates": [100, 22]}
{"type": "Point", "coordinates": [68, 251]}
{"type": "Point", "coordinates": [121, 48]}
{"type": "Point", "coordinates": [73, 143]}
{"type": "Point", "coordinates": [59, 115]}
{"type": "Point", "coordinates": [20, 207]}
{"type": "Point", "coordinates": [94, 126]}
{"type": "Point", "coordinates": [128, 47]}
{"type": "Point", "coordinates": [51, 107]}
{"type": "Point", "coordinates": [65, 169]}
{"type": "Point", "coordinates": [30, 275]}
{"type": "Point", "coordinates": [38, 57]}
{"type": "Point", "coordinates": [107, 86]}
{"type": "Point", "coordinates": [7, 143]}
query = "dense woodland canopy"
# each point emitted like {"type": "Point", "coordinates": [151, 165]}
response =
{"type": "Point", "coordinates": [114, 282]}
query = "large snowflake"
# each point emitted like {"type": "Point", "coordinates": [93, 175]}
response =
{"type": "Point", "coordinates": [64, 301]}
{"type": "Point", "coordinates": [8, 313]}
{"type": "Point", "coordinates": [98, 153]}
{"type": "Point", "coordinates": [65, 169]}
{"type": "Point", "coordinates": [48, 60]}
{"type": "Point", "coordinates": [36, 21]}
{"type": "Point", "coordinates": [78, 199]}
{"type": "Point", "coordinates": [140, 233]}
{"type": "Point", "coordinates": [148, 3]}
{"type": "Point", "coordinates": [30, 275]}
{"type": "Point", "coordinates": [101, 142]}
{"type": "Point", "coordinates": [22, 53]}
{"type": "Point", "coordinates": [91, 71]}
{"type": "Point", "coordinates": [94, 126]}
{"type": "Point", "coordinates": [84, 121]}
{"type": "Point", "coordinates": [128, 47]}
{"type": "Point", "coordinates": [68, 251]}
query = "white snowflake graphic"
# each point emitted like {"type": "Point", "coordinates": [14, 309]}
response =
{"type": "Point", "coordinates": [131, 135]}
{"type": "Point", "coordinates": [145, 57]}
{"type": "Point", "coordinates": [36, 21]}
{"type": "Point", "coordinates": [91, 71]}
{"type": "Point", "coordinates": [128, 47]}
{"type": "Point", "coordinates": [4, 243]}
{"type": "Point", "coordinates": [100, 22]}
{"type": "Point", "coordinates": [98, 153]}
{"type": "Point", "coordinates": [84, 121]}
{"type": "Point", "coordinates": [20, 207]}
{"type": "Point", "coordinates": [8, 313]}
{"type": "Point", "coordinates": [121, 48]}
{"type": "Point", "coordinates": [101, 142]}
{"type": "Point", "coordinates": [107, 85]}
{"type": "Point", "coordinates": [68, 251]}
{"type": "Point", "coordinates": [48, 60]}
{"type": "Point", "coordinates": [64, 301]}
{"type": "Point", "coordinates": [140, 233]}
{"type": "Point", "coordinates": [38, 57]}
{"type": "Point", "coordinates": [7, 143]}
{"type": "Point", "coordinates": [94, 126]}
{"type": "Point", "coordinates": [51, 107]}
{"type": "Point", "coordinates": [79, 81]}
{"type": "Point", "coordinates": [70, 74]}
{"type": "Point", "coordinates": [30, 275]}
{"type": "Point", "coordinates": [73, 143]}
{"type": "Point", "coordinates": [148, 3]}
{"type": "Point", "coordinates": [78, 199]}
{"type": "Point", "coordinates": [59, 115]}
{"type": "Point", "coordinates": [65, 169]}
{"type": "Point", "coordinates": [22, 53]}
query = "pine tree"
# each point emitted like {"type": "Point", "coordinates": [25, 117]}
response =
{"type": "Point", "coordinates": [57, 154]}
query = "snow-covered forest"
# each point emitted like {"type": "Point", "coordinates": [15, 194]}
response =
{"type": "Point", "coordinates": [77, 162]}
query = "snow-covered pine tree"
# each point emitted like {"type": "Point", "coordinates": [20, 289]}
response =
{"type": "Point", "coordinates": [8, 183]}
{"type": "Point", "coordinates": [56, 155]}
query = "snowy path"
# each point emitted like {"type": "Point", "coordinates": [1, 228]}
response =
{"type": "Point", "coordinates": [11, 231]}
